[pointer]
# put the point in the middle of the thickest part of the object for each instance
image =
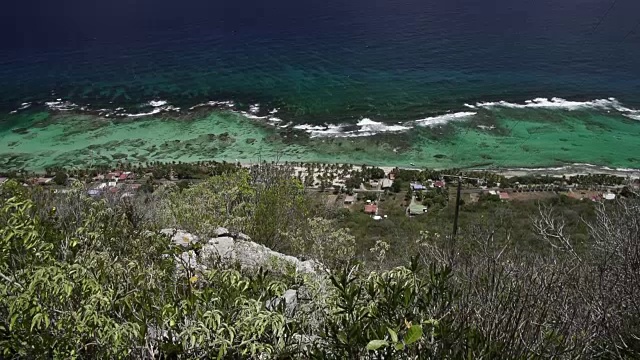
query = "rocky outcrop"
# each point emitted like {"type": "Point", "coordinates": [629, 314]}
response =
{"type": "Point", "coordinates": [228, 248]}
{"type": "Point", "coordinates": [234, 248]}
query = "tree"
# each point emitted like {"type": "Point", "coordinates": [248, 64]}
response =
{"type": "Point", "coordinates": [60, 178]}
{"type": "Point", "coordinates": [398, 185]}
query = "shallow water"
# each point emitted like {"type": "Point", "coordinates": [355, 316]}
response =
{"type": "Point", "coordinates": [491, 138]}
{"type": "Point", "coordinates": [382, 82]}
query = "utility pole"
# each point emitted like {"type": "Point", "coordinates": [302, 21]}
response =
{"type": "Point", "coordinates": [455, 219]}
{"type": "Point", "coordinates": [454, 233]}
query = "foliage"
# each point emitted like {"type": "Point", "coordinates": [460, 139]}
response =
{"type": "Point", "coordinates": [87, 278]}
{"type": "Point", "coordinates": [372, 312]}
{"type": "Point", "coordinates": [106, 289]}
{"type": "Point", "coordinates": [60, 178]}
{"type": "Point", "coordinates": [219, 201]}
{"type": "Point", "coordinates": [320, 239]}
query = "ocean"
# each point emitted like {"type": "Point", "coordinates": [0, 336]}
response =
{"type": "Point", "coordinates": [465, 83]}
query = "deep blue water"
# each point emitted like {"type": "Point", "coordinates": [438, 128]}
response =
{"type": "Point", "coordinates": [328, 59]}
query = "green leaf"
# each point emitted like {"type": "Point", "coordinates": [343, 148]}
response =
{"type": "Point", "coordinates": [376, 344]}
{"type": "Point", "coordinates": [394, 335]}
{"type": "Point", "coordinates": [36, 320]}
{"type": "Point", "coordinates": [13, 321]}
{"type": "Point", "coordinates": [399, 346]}
{"type": "Point", "coordinates": [414, 334]}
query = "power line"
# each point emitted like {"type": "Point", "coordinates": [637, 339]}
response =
{"type": "Point", "coordinates": [604, 16]}
{"type": "Point", "coordinates": [631, 31]}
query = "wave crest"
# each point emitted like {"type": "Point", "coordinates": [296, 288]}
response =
{"type": "Point", "coordinates": [443, 119]}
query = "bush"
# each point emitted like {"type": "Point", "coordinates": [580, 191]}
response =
{"type": "Point", "coordinates": [60, 178]}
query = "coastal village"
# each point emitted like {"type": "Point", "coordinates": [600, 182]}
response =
{"type": "Point", "coordinates": [372, 190]}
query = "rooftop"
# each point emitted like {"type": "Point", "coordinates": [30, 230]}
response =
{"type": "Point", "coordinates": [371, 208]}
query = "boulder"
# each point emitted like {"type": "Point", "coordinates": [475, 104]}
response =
{"type": "Point", "coordinates": [289, 300]}
{"type": "Point", "coordinates": [237, 248]}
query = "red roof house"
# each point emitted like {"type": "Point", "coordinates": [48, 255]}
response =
{"type": "Point", "coordinates": [504, 196]}
{"type": "Point", "coordinates": [371, 209]}
{"type": "Point", "coordinates": [439, 184]}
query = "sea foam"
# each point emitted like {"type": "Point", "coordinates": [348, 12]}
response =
{"type": "Point", "coordinates": [60, 105]}
{"type": "Point", "coordinates": [443, 119]}
{"type": "Point", "coordinates": [157, 103]}
{"type": "Point", "coordinates": [556, 103]}
{"type": "Point", "coordinates": [369, 127]}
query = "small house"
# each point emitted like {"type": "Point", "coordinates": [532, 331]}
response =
{"type": "Point", "coordinates": [439, 184]}
{"type": "Point", "coordinates": [417, 186]}
{"type": "Point", "coordinates": [386, 183]}
{"type": "Point", "coordinates": [371, 209]}
{"type": "Point", "coordinates": [609, 196]}
{"type": "Point", "coordinates": [350, 199]}
{"type": "Point", "coordinates": [94, 192]}
{"type": "Point", "coordinates": [504, 196]}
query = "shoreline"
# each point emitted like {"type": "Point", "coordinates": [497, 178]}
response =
{"type": "Point", "coordinates": [567, 170]}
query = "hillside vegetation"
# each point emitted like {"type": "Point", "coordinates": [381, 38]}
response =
{"type": "Point", "coordinates": [93, 278]}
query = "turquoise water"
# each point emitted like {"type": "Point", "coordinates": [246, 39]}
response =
{"type": "Point", "coordinates": [390, 82]}
{"type": "Point", "coordinates": [496, 138]}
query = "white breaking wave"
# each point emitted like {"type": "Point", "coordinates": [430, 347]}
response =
{"type": "Point", "coordinates": [443, 119]}
{"type": "Point", "coordinates": [60, 105]}
{"type": "Point", "coordinates": [228, 104]}
{"type": "Point", "coordinates": [158, 107]}
{"type": "Point", "coordinates": [364, 127]}
{"type": "Point", "coordinates": [157, 103]}
{"type": "Point", "coordinates": [320, 130]}
{"type": "Point", "coordinates": [152, 112]}
{"type": "Point", "coordinates": [23, 106]}
{"type": "Point", "coordinates": [368, 127]}
{"type": "Point", "coordinates": [562, 104]}
{"type": "Point", "coordinates": [557, 103]}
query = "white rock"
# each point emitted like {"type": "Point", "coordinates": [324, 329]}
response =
{"type": "Point", "coordinates": [248, 254]}
{"type": "Point", "coordinates": [180, 237]}
{"type": "Point", "coordinates": [222, 231]}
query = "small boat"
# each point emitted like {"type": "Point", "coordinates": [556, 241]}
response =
{"type": "Point", "coordinates": [412, 164]}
